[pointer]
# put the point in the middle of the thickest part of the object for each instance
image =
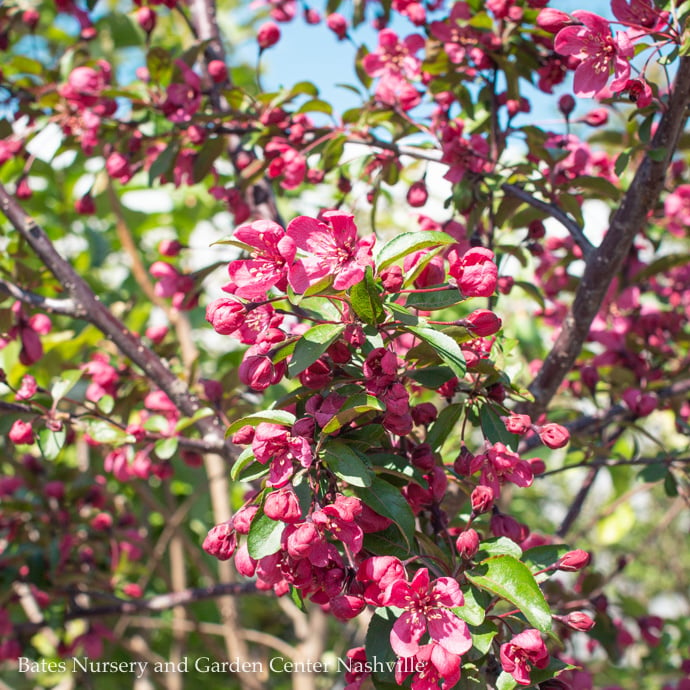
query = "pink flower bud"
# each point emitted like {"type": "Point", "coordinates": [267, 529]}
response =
{"type": "Point", "coordinates": [422, 456]}
{"type": "Point", "coordinates": [596, 118]}
{"type": "Point", "coordinates": [156, 334]}
{"type": "Point", "coordinates": [518, 423]}
{"type": "Point", "coordinates": [566, 104]}
{"type": "Point", "coordinates": [102, 522]}
{"type": "Point", "coordinates": [85, 206]}
{"type": "Point", "coordinates": [337, 24]}
{"type": "Point", "coordinates": [573, 560]}
{"type": "Point", "coordinates": [244, 436]}
{"type": "Point", "coordinates": [482, 322]}
{"type": "Point", "coordinates": [169, 247]}
{"type": "Point", "coordinates": [482, 499]}
{"type": "Point", "coordinates": [506, 526]}
{"type": "Point", "coordinates": [30, 18]}
{"type": "Point", "coordinates": [467, 543]}
{"type": "Point", "coordinates": [392, 278]}
{"type": "Point", "coordinates": [40, 323]}
{"type": "Point", "coordinates": [536, 230]}
{"type": "Point", "coordinates": [221, 541]}
{"type": "Point", "coordinates": [417, 194]}
{"type": "Point", "coordinates": [146, 18]}
{"type": "Point", "coordinates": [116, 165]}
{"type": "Point", "coordinates": [579, 621]}
{"type": "Point", "coordinates": [476, 273]}
{"type": "Point", "coordinates": [226, 315]}
{"type": "Point", "coordinates": [21, 432]}
{"type": "Point", "coordinates": [218, 71]}
{"type": "Point", "coordinates": [268, 35]}
{"type": "Point", "coordinates": [283, 505]}
{"type": "Point", "coordinates": [424, 413]}
{"type": "Point", "coordinates": [243, 519]}
{"type": "Point", "coordinates": [27, 389]}
{"type": "Point", "coordinates": [133, 590]}
{"type": "Point", "coordinates": [55, 489]}
{"type": "Point", "coordinates": [244, 563]}
{"type": "Point", "coordinates": [258, 371]}
{"type": "Point", "coordinates": [554, 435]}
{"type": "Point", "coordinates": [346, 606]}
{"type": "Point", "coordinates": [553, 21]}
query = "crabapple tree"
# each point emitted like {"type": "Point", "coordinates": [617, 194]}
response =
{"type": "Point", "coordinates": [387, 394]}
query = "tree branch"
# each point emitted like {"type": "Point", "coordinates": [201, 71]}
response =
{"type": "Point", "coordinates": [90, 308]}
{"type": "Point", "coordinates": [563, 218]}
{"type": "Point", "coordinates": [66, 307]}
{"type": "Point", "coordinates": [605, 263]}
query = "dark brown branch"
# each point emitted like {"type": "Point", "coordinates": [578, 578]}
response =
{"type": "Point", "coordinates": [563, 218]}
{"type": "Point", "coordinates": [88, 307]}
{"type": "Point", "coordinates": [67, 307]}
{"type": "Point", "coordinates": [161, 602]}
{"type": "Point", "coordinates": [605, 263]}
{"type": "Point", "coordinates": [578, 503]}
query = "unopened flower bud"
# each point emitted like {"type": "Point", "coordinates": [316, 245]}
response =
{"type": "Point", "coordinates": [467, 543]}
{"type": "Point", "coordinates": [21, 432]}
{"type": "Point", "coordinates": [146, 18]}
{"type": "Point", "coordinates": [218, 70]}
{"type": "Point", "coordinates": [579, 621]}
{"type": "Point", "coordinates": [268, 35]}
{"type": "Point", "coordinates": [573, 561]}
{"type": "Point", "coordinates": [392, 278]}
{"type": "Point", "coordinates": [337, 24]}
{"type": "Point", "coordinates": [417, 194]}
{"type": "Point", "coordinates": [482, 323]}
{"type": "Point", "coordinates": [482, 499]}
{"type": "Point", "coordinates": [221, 541]}
{"type": "Point", "coordinates": [554, 435]}
{"type": "Point", "coordinates": [566, 104]}
{"type": "Point", "coordinates": [553, 21]}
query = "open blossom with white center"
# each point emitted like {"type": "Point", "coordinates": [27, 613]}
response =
{"type": "Point", "coordinates": [331, 248]}
{"type": "Point", "coordinates": [599, 53]}
{"type": "Point", "coordinates": [426, 605]}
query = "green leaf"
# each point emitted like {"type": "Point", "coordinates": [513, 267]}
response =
{"type": "Point", "coordinates": [386, 500]}
{"type": "Point", "coordinates": [541, 557]}
{"type": "Point", "coordinates": [444, 346]}
{"type": "Point", "coordinates": [377, 644]}
{"type": "Point", "coordinates": [505, 681]}
{"type": "Point", "coordinates": [429, 301]}
{"type": "Point", "coordinates": [348, 464]}
{"type": "Point", "coordinates": [352, 408]}
{"type": "Point", "coordinates": [159, 64]}
{"type": "Point", "coordinates": [62, 385]}
{"type": "Point", "coordinates": [408, 242]}
{"type": "Point", "coordinates": [497, 546]}
{"type": "Point", "coordinates": [280, 417]}
{"type": "Point", "coordinates": [264, 536]}
{"type": "Point", "coordinates": [106, 404]}
{"type": "Point", "coordinates": [316, 105]}
{"type": "Point", "coordinates": [446, 421]}
{"type": "Point", "coordinates": [206, 157]}
{"type": "Point", "coordinates": [472, 611]}
{"type": "Point", "coordinates": [165, 161]}
{"type": "Point", "coordinates": [622, 162]}
{"type": "Point", "coordinates": [104, 432]}
{"type": "Point", "coordinates": [386, 542]}
{"type": "Point", "coordinates": [510, 579]}
{"type": "Point", "coordinates": [246, 458]}
{"type": "Point", "coordinates": [366, 300]}
{"type": "Point", "coordinates": [186, 422]}
{"type": "Point", "coordinates": [495, 430]}
{"type": "Point", "coordinates": [166, 448]}
{"type": "Point", "coordinates": [312, 345]}
{"type": "Point", "coordinates": [51, 442]}
{"type": "Point", "coordinates": [482, 637]}
{"type": "Point", "coordinates": [431, 377]}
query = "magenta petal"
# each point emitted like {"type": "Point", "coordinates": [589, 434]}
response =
{"type": "Point", "coordinates": [569, 41]}
{"type": "Point", "coordinates": [587, 81]}
{"type": "Point", "coordinates": [449, 631]}
{"type": "Point", "coordinates": [447, 592]}
{"type": "Point", "coordinates": [302, 229]}
{"type": "Point", "coordinates": [406, 633]}
{"type": "Point", "coordinates": [444, 661]}
{"type": "Point", "coordinates": [349, 274]}
{"type": "Point", "coordinates": [593, 21]}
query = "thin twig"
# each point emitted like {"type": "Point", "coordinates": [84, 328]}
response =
{"type": "Point", "coordinates": [66, 306]}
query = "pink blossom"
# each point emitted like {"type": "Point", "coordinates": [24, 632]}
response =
{"type": "Point", "coordinates": [461, 42]}
{"type": "Point", "coordinates": [524, 651]}
{"type": "Point", "coordinates": [257, 369]}
{"type": "Point", "coordinates": [500, 464]}
{"type": "Point", "coordinates": [640, 92]}
{"type": "Point", "coordinates": [332, 249]}
{"type": "Point", "coordinates": [183, 98]}
{"type": "Point", "coordinates": [283, 505]}
{"type": "Point", "coordinates": [274, 444]}
{"type": "Point", "coordinates": [337, 24]}
{"type": "Point", "coordinates": [273, 253]}
{"type": "Point", "coordinates": [482, 322]}
{"type": "Point", "coordinates": [554, 435]}
{"type": "Point", "coordinates": [476, 273]}
{"type": "Point", "coordinates": [426, 605]}
{"type": "Point", "coordinates": [461, 154]}
{"type": "Point", "coordinates": [640, 13]}
{"type": "Point", "coordinates": [27, 389]}
{"type": "Point", "coordinates": [21, 432]}
{"type": "Point", "coordinates": [598, 51]}
{"type": "Point", "coordinates": [518, 423]}
{"type": "Point", "coordinates": [431, 664]}
{"type": "Point", "coordinates": [285, 162]}
{"type": "Point", "coordinates": [395, 63]}
{"type": "Point", "coordinates": [221, 541]}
